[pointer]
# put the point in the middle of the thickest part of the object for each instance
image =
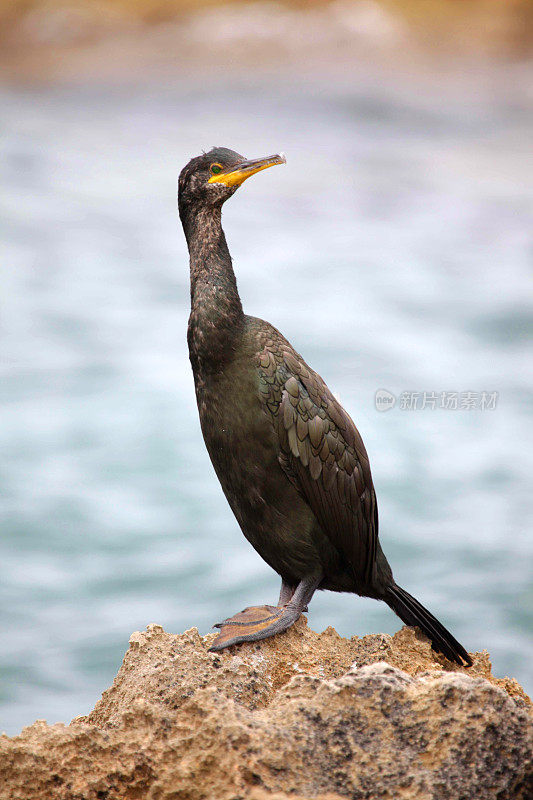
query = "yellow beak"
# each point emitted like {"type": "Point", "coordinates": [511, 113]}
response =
{"type": "Point", "coordinates": [237, 175]}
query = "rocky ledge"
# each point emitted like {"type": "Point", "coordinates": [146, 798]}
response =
{"type": "Point", "coordinates": [303, 715]}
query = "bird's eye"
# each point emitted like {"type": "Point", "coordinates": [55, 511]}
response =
{"type": "Point", "coordinates": [216, 169]}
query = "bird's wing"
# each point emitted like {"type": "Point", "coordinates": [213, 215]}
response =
{"type": "Point", "coordinates": [322, 453]}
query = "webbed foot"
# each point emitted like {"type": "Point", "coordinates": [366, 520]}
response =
{"type": "Point", "coordinates": [261, 622]}
{"type": "Point", "coordinates": [253, 624]}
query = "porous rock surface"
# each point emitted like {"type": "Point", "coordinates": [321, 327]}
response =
{"type": "Point", "coordinates": [302, 715]}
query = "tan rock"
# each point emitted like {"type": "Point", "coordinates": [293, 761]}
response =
{"type": "Point", "coordinates": [302, 715]}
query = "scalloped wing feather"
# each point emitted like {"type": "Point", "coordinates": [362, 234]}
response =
{"type": "Point", "coordinates": [322, 454]}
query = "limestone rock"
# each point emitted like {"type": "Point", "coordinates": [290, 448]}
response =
{"type": "Point", "coordinates": [299, 716]}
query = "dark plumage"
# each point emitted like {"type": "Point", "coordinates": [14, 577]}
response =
{"type": "Point", "coordinates": [290, 460]}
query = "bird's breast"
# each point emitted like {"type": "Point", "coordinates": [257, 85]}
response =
{"type": "Point", "coordinates": [238, 435]}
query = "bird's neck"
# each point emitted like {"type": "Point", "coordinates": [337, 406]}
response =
{"type": "Point", "coordinates": [217, 317]}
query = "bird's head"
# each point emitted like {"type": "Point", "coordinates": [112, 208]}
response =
{"type": "Point", "coordinates": [210, 179]}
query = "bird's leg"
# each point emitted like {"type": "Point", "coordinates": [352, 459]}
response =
{"type": "Point", "coordinates": [286, 592]}
{"type": "Point", "coordinates": [261, 622]}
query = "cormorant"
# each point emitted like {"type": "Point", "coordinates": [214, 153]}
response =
{"type": "Point", "coordinates": [290, 460]}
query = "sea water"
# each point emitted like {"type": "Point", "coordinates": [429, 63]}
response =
{"type": "Point", "coordinates": [393, 250]}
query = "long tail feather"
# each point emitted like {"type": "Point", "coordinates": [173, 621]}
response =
{"type": "Point", "coordinates": [413, 613]}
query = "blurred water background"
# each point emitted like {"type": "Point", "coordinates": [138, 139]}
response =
{"type": "Point", "coordinates": [394, 251]}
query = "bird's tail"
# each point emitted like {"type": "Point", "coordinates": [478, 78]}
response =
{"type": "Point", "coordinates": [413, 613]}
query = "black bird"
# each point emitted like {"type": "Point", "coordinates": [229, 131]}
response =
{"type": "Point", "coordinates": [290, 460]}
